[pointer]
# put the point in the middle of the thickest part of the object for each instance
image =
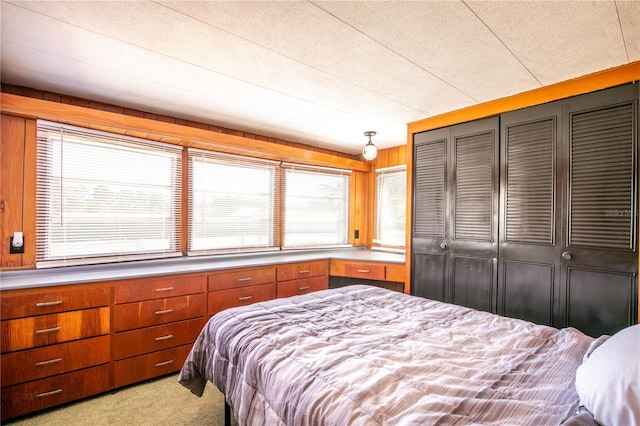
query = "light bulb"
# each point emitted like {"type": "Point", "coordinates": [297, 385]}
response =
{"type": "Point", "coordinates": [369, 152]}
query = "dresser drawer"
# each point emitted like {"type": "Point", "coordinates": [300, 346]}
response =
{"type": "Point", "coordinates": [297, 287]}
{"type": "Point", "coordinates": [32, 364]}
{"type": "Point", "coordinates": [220, 300]}
{"type": "Point", "coordinates": [45, 393]}
{"type": "Point", "coordinates": [31, 332]}
{"type": "Point", "coordinates": [25, 303]}
{"type": "Point", "coordinates": [159, 337]}
{"type": "Point", "coordinates": [144, 367]}
{"type": "Point", "coordinates": [153, 312]}
{"type": "Point", "coordinates": [241, 278]}
{"type": "Point", "coordinates": [303, 270]}
{"type": "Point", "coordinates": [365, 270]}
{"type": "Point", "coordinates": [133, 291]}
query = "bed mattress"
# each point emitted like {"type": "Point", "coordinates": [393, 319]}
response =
{"type": "Point", "coordinates": [363, 355]}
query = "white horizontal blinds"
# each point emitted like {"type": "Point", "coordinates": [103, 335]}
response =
{"type": "Point", "coordinates": [232, 203]}
{"type": "Point", "coordinates": [391, 206]}
{"type": "Point", "coordinates": [316, 210]}
{"type": "Point", "coordinates": [104, 197]}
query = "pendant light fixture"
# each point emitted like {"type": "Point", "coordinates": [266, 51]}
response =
{"type": "Point", "coordinates": [369, 152]}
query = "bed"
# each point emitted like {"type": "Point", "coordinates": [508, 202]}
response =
{"type": "Point", "coordinates": [362, 355]}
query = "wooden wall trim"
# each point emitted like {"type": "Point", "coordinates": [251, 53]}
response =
{"type": "Point", "coordinates": [169, 132]}
{"type": "Point", "coordinates": [577, 86]}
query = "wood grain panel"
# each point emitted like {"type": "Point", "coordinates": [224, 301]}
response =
{"type": "Point", "coordinates": [49, 300]}
{"type": "Point", "coordinates": [144, 367]}
{"type": "Point", "coordinates": [302, 270]}
{"type": "Point", "coordinates": [158, 288]}
{"type": "Point", "coordinates": [129, 316]}
{"type": "Point", "coordinates": [224, 299]}
{"type": "Point", "coordinates": [25, 333]}
{"type": "Point", "coordinates": [56, 390]}
{"type": "Point", "coordinates": [152, 339]}
{"type": "Point", "coordinates": [302, 286]}
{"type": "Point", "coordinates": [12, 153]}
{"type": "Point", "coordinates": [238, 278]}
{"type": "Point", "coordinates": [32, 364]}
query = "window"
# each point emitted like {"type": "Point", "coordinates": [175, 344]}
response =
{"type": "Point", "coordinates": [391, 195]}
{"type": "Point", "coordinates": [233, 203]}
{"type": "Point", "coordinates": [316, 209]}
{"type": "Point", "coordinates": [102, 197]}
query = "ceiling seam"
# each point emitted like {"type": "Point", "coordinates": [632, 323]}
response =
{"type": "Point", "coordinates": [295, 60]}
{"type": "Point", "coordinates": [179, 60]}
{"type": "Point", "coordinates": [624, 41]}
{"type": "Point", "coordinates": [502, 42]}
{"type": "Point", "coordinates": [395, 53]}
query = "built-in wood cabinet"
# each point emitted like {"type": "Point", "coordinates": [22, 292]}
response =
{"type": "Point", "coordinates": [347, 272]}
{"type": "Point", "coordinates": [155, 321]}
{"type": "Point", "coordinates": [240, 287]}
{"type": "Point", "coordinates": [68, 342]}
{"type": "Point", "coordinates": [55, 346]}
{"type": "Point", "coordinates": [301, 278]}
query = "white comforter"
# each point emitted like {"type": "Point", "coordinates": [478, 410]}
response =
{"type": "Point", "coordinates": [362, 355]}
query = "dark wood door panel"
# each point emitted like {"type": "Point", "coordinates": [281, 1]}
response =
{"type": "Point", "coordinates": [474, 283]}
{"type": "Point", "coordinates": [600, 302]}
{"type": "Point", "coordinates": [528, 291]}
{"type": "Point", "coordinates": [428, 280]}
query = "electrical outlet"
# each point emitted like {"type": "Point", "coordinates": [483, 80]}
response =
{"type": "Point", "coordinates": [16, 248]}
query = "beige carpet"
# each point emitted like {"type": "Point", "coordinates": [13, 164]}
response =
{"type": "Point", "coordinates": [161, 401]}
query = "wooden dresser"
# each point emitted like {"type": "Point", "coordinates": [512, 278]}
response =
{"type": "Point", "coordinates": [55, 346]}
{"type": "Point", "coordinates": [155, 321]}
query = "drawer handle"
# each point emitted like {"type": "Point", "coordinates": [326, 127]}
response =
{"type": "Point", "coordinates": [53, 392]}
{"type": "Point", "coordinates": [304, 288]}
{"type": "Point", "coordinates": [164, 289]}
{"type": "Point", "coordinates": [242, 299]}
{"type": "Point", "coordinates": [166, 311]}
{"type": "Point", "coordinates": [363, 271]}
{"type": "Point", "coordinates": [167, 337]}
{"type": "Point", "coordinates": [306, 271]}
{"type": "Point", "coordinates": [48, 330]}
{"type": "Point", "coordinates": [242, 280]}
{"type": "Point", "coordinates": [160, 364]}
{"type": "Point", "coordinates": [44, 304]}
{"type": "Point", "coordinates": [51, 361]}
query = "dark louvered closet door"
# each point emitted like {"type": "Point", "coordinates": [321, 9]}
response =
{"type": "Point", "coordinates": [430, 214]}
{"type": "Point", "coordinates": [455, 201]}
{"type": "Point", "coordinates": [531, 230]}
{"type": "Point", "coordinates": [473, 235]}
{"type": "Point", "coordinates": [599, 274]}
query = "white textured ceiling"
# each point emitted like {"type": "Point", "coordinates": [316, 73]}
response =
{"type": "Point", "coordinates": [315, 72]}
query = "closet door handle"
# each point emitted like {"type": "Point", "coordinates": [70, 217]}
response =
{"type": "Point", "coordinates": [567, 255]}
{"type": "Point", "coordinates": [444, 245]}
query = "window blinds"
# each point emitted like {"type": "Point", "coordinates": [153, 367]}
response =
{"type": "Point", "coordinates": [391, 195]}
{"type": "Point", "coordinates": [233, 203]}
{"type": "Point", "coordinates": [104, 197]}
{"type": "Point", "coordinates": [316, 210]}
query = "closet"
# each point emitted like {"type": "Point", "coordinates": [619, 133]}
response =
{"type": "Point", "coordinates": [532, 214]}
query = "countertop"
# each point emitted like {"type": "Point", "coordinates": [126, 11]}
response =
{"type": "Point", "coordinates": [17, 279]}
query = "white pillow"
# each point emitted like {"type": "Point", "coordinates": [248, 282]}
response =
{"type": "Point", "coordinates": [608, 382]}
